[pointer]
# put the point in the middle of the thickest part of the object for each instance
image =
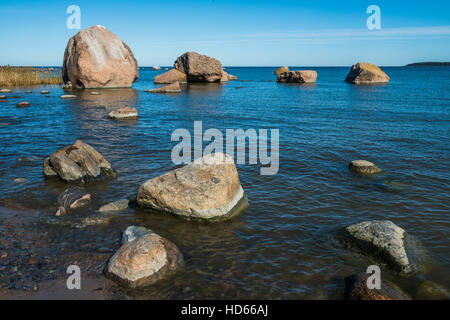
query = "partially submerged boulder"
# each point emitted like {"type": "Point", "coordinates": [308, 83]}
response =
{"type": "Point", "coordinates": [281, 70]}
{"type": "Point", "coordinates": [118, 205]}
{"type": "Point", "coordinates": [97, 58]}
{"type": "Point", "coordinates": [209, 188]}
{"type": "Point", "coordinates": [78, 162]}
{"type": "Point", "coordinates": [381, 239]}
{"type": "Point", "coordinates": [298, 76]}
{"type": "Point", "coordinates": [363, 167]}
{"type": "Point", "coordinates": [71, 199]}
{"type": "Point", "coordinates": [23, 104]}
{"type": "Point", "coordinates": [171, 88]}
{"type": "Point", "coordinates": [124, 113]}
{"type": "Point", "coordinates": [170, 76]}
{"type": "Point", "coordinates": [199, 68]}
{"type": "Point", "coordinates": [366, 73]}
{"type": "Point", "coordinates": [227, 77]}
{"type": "Point", "coordinates": [5, 90]}
{"type": "Point", "coordinates": [356, 289]}
{"type": "Point", "coordinates": [144, 261]}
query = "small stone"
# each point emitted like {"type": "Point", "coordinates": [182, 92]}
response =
{"type": "Point", "coordinates": [171, 88]}
{"type": "Point", "coordinates": [68, 96]}
{"type": "Point", "coordinates": [2, 97]}
{"type": "Point", "coordinates": [29, 91]}
{"type": "Point", "coordinates": [61, 211]}
{"type": "Point", "coordinates": [20, 180]}
{"type": "Point", "coordinates": [124, 113]}
{"type": "Point", "coordinates": [4, 255]}
{"type": "Point", "coordinates": [23, 104]}
{"type": "Point", "coordinates": [363, 167]}
{"type": "Point", "coordinates": [118, 205]}
{"type": "Point", "coordinates": [5, 91]}
{"type": "Point", "coordinates": [95, 93]}
{"type": "Point", "coordinates": [45, 92]}
{"type": "Point", "coordinates": [33, 261]}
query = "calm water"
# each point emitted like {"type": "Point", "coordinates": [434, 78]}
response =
{"type": "Point", "coordinates": [283, 245]}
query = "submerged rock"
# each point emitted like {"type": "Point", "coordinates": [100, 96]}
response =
{"type": "Point", "coordinates": [430, 290]}
{"type": "Point", "coordinates": [97, 58]}
{"type": "Point", "coordinates": [281, 70]}
{"type": "Point", "coordinates": [74, 198]}
{"type": "Point", "coordinates": [171, 88]}
{"type": "Point", "coordinates": [363, 167]}
{"type": "Point", "coordinates": [68, 96]}
{"type": "Point", "coordinates": [118, 205]}
{"type": "Point", "coordinates": [132, 233]}
{"type": "Point", "coordinates": [199, 68]}
{"type": "Point", "coordinates": [144, 261]}
{"type": "Point", "coordinates": [5, 90]}
{"type": "Point", "coordinates": [366, 73]}
{"type": "Point", "coordinates": [124, 113]}
{"type": "Point", "coordinates": [209, 188]}
{"type": "Point", "coordinates": [381, 239]}
{"type": "Point", "coordinates": [2, 97]}
{"type": "Point", "coordinates": [23, 104]}
{"type": "Point", "coordinates": [78, 162]}
{"type": "Point", "coordinates": [356, 289]}
{"type": "Point", "coordinates": [170, 76]}
{"type": "Point", "coordinates": [298, 76]}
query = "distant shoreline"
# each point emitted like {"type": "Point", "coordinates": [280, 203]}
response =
{"type": "Point", "coordinates": [429, 64]}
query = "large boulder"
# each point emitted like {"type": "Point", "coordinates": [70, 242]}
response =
{"type": "Point", "coordinates": [381, 239]}
{"type": "Point", "coordinates": [199, 68]}
{"type": "Point", "coordinates": [144, 260]}
{"type": "Point", "coordinates": [298, 76]}
{"type": "Point", "coordinates": [170, 76]}
{"type": "Point", "coordinates": [366, 73]}
{"type": "Point", "coordinates": [78, 162]}
{"type": "Point", "coordinates": [97, 58]}
{"type": "Point", "coordinates": [281, 70]}
{"type": "Point", "coordinates": [356, 289]}
{"type": "Point", "coordinates": [209, 188]}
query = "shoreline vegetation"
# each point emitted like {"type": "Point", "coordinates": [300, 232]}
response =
{"type": "Point", "coordinates": [19, 76]}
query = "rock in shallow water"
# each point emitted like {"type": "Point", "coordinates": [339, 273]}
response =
{"type": "Point", "coordinates": [68, 96]}
{"type": "Point", "coordinates": [381, 239]}
{"type": "Point", "coordinates": [118, 205]}
{"type": "Point", "coordinates": [366, 73]}
{"type": "Point", "coordinates": [171, 88]}
{"type": "Point", "coordinates": [132, 233]}
{"type": "Point", "coordinates": [124, 113]}
{"type": "Point", "coordinates": [78, 162]}
{"type": "Point", "coordinates": [281, 70]}
{"type": "Point", "coordinates": [198, 67]}
{"type": "Point", "coordinates": [363, 167]}
{"type": "Point", "coordinates": [74, 198]}
{"type": "Point", "coordinates": [170, 76]}
{"type": "Point", "coordinates": [97, 58]}
{"type": "Point", "coordinates": [144, 261]}
{"type": "Point", "coordinates": [298, 76]}
{"type": "Point", "coordinates": [356, 289]}
{"type": "Point", "coordinates": [209, 188]}
{"type": "Point", "coordinates": [23, 104]}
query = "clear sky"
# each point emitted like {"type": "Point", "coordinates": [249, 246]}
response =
{"type": "Point", "coordinates": [239, 33]}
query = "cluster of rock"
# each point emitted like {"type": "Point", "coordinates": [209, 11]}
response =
{"type": "Point", "coordinates": [194, 67]}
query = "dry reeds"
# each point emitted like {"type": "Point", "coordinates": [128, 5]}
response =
{"type": "Point", "coordinates": [22, 76]}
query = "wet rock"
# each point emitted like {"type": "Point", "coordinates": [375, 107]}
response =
{"type": "Point", "coordinates": [366, 73]}
{"type": "Point", "coordinates": [29, 91]}
{"type": "Point", "coordinates": [132, 233]}
{"type": "Point", "coordinates": [430, 290]}
{"type": "Point", "coordinates": [209, 188]}
{"type": "Point", "coordinates": [95, 93]}
{"type": "Point", "coordinates": [281, 70]}
{"type": "Point", "coordinates": [45, 92]}
{"type": "Point", "coordinates": [23, 104]}
{"type": "Point", "coordinates": [144, 261]}
{"type": "Point", "coordinates": [68, 96]}
{"type": "Point", "coordinates": [356, 289]}
{"type": "Point", "coordinates": [381, 239]}
{"type": "Point", "coordinates": [5, 91]}
{"type": "Point", "coordinates": [2, 97]}
{"type": "Point", "coordinates": [199, 68]}
{"type": "Point", "coordinates": [124, 113]}
{"type": "Point", "coordinates": [118, 205]}
{"type": "Point", "coordinates": [67, 85]}
{"type": "Point", "coordinates": [298, 76]}
{"type": "Point", "coordinates": [20, 180]}
{"type": "Point", "coordinates": [61, 211]}
{"type": "Point", "coordinates": [170, 76]}
{"type": "Point", "coordinates": [78, 162]}
{"type": "Point", "coordinates": [97, 58]}
{"type": "Point", "coordinates": [363, 167]}
{"type": "Point", "coordinates": [171, 88]}
{"type": "Point", "coordinates": [74, 198]}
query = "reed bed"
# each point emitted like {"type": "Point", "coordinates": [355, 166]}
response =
{"type": "Point", "coordinates": [22, 76]}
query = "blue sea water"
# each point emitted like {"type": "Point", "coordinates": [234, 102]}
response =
{"type": "Point", "coordinates": [283, 246]}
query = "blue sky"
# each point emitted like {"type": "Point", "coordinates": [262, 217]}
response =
{"type": "Point", "coordinates": [239, 33]}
